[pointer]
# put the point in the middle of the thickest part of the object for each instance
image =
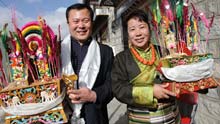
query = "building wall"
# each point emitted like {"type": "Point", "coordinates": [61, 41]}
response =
{"type": "Point", "coordinates": [208, 7]}
{"type": "Point", "coordinates": [114, 35]}
{"type": "Point", "coordinates": [116, 41]}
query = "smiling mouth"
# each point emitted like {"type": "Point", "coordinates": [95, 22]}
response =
{"type": "Point", "coordinates": [81, 32]}
{"type": "Point", "coordinates": [139, 40]}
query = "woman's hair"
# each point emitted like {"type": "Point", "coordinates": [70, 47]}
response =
{"type": "Point", "coordinates": [79, 6]}
{"type": "Point", "coordinates": [140, 14]}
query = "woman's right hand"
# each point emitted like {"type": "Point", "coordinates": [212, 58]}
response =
{"type": "Point", "coordinates": [160, 92]}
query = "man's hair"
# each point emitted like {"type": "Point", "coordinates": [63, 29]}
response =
{"type": "Point", "coordinates": [140, 14]}
{"type": "Point", "coordinates": [79, 6]}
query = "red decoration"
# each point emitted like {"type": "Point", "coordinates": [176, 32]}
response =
{"type": "Point", "coordinates": [142, 60]}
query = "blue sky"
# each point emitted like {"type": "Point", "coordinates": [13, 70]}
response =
{"type": "Point", "coordinates": [33, 8]}
{"type": "Point", "coordinates": [53, 11]}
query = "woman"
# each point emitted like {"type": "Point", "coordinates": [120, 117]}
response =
{"type": "Point", "coordinates": [134, 75]}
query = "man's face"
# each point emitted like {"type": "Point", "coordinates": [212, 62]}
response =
{"type": "Point", "coordinates": [80, 24]}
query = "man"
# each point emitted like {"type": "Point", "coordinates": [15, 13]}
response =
{"type": "Point", "coordinates": [91, 62]}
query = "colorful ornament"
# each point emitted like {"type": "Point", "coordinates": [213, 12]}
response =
{"type": "Point", "coordinates": [143, 60]}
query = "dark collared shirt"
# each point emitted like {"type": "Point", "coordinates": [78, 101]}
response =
{"type": "Point", "coordinates": [78, 53]}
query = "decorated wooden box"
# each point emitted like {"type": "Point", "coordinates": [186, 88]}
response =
{"type": "Point", "coordinates": [30, 75]}
{"type": "Point", "coordinates": [38, 102]}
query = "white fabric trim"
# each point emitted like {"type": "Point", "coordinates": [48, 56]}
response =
{"type": "Point", "coordinates": [34, 108]}
{"type": "Point", "coordinates": [89, 69]}
{"type": "Point", "coordinates": [191, 72]}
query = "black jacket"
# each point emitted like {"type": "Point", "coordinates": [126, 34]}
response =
{"type": "Point", "coordinates": [96, 113]}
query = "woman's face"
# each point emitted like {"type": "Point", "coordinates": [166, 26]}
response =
{"type": "Point", "coordinates": [138, 33]}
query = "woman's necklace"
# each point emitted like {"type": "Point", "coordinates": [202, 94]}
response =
{"type": "Point", "coordinates": [142, 60]}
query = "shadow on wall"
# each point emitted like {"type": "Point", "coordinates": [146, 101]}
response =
{"type": "Point", "coordinates": [117, 112]}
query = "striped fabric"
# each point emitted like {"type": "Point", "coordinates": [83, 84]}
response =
{"type": "Point", "coordinates": [165, 114]}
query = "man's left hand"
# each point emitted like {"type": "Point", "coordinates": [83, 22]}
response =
{"type": "Point", "coordinates": [83, 95]}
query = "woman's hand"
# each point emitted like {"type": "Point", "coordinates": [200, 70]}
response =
{"type": "Point", "coordinates": [160, 92]}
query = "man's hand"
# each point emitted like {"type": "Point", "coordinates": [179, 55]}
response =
{"type": "Point", "coordinates": [161, 93]}
{"type": "Point", "coordinates": [82, 95]}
